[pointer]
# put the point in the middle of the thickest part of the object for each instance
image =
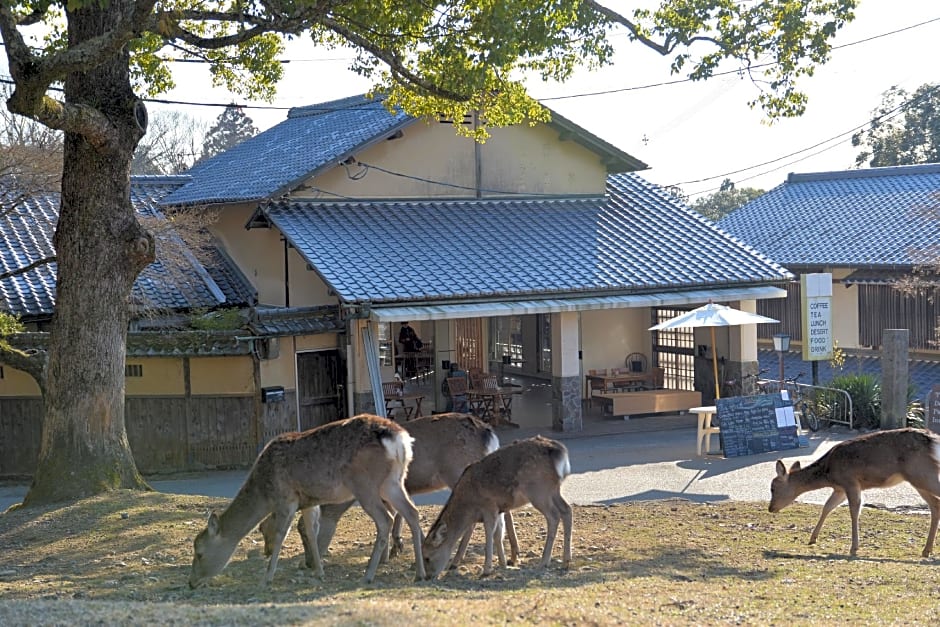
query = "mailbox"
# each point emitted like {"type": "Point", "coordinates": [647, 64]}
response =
{"type": "Point", "coordinates": [272, 394]}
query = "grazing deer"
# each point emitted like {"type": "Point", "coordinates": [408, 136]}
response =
{"type": "Point", "coordinates": [444, 445]}
{"type": "Point", "coordinates": [875, 460]}
{"type": "Point", "coordinates": [364, 457]}
{"type": "Point", "coordinates": [526, 471]}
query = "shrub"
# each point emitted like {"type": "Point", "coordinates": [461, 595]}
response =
{"type": "Point", "coordinates": [865, 392]}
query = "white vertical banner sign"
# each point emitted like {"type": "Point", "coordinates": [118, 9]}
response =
{"type": "Point", "coordinates": [816, 309]}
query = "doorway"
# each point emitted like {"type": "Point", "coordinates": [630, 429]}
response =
{"type": "Point", "coordinates": [321, 385]}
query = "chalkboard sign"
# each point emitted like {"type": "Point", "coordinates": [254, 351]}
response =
{"type": "Point", "coordinates": [933, 409]}
{"type": "Point", "coordinates": [756, 424]}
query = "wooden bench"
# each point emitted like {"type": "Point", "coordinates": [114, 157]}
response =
{"type": "Point", "coordinates": [649, 402]}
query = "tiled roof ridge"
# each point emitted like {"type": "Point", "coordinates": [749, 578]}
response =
{"type": "Point", "coordinates": [161, 178]}
{"type": "Point", "coordinates": [837, 175]}
{"type": "Point", "coordinates": [331, 106]}
{"type": "Point", "coordinates": [476, 202]}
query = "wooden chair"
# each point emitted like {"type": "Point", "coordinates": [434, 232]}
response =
{"type": "Point", "coordinates": [657, 380]}
{"type": "Point", "coordinates": [459, 394]}
{"type": "Point", "coordinates": [636, 362]}
{"type": "Point", "coordinates": [393, 392]}
{"type": "Point", "coordinates": [476, 378]}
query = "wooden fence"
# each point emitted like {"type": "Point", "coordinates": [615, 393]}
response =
{"type": "Point", "coordinates": [166, 434]}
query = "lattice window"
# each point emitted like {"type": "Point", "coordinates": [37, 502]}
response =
{"type": "Point", "coordinates": [133, 370]}
{"type": "Point", "coordinates": [468, 347]}
{"type": "Point", "coordinates": [674, 351]}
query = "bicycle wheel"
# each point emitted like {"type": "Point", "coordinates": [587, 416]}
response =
{"type": "Point", "coordinates": [810, 419]}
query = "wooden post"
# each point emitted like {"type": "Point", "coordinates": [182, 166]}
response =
{"type": "Point", "coordinates": [894, 378]}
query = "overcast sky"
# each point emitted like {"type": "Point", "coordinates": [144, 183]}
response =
{"type": "Point", "coordinates": [688, 131]}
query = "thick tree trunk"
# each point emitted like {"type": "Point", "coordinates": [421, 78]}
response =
{"type": "Point", "coordinates": [100, 248]}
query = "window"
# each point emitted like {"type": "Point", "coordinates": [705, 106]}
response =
{"type": "Point", "coordinates": [133, 370]}
{"type": "Point", "coordinates": [386, 344]}
{"type": "Point", "coordinates": [674, 351]}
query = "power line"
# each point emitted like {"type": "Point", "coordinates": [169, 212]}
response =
{"type": "Point", "coordinates": [546, 99]}
{"type": "Point", "coordinates": [887, 115]}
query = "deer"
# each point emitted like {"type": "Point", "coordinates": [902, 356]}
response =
{"type": "Point", "coordinates": [526, 471]}
{"type": "Point", "coordinates": [876, 460]}
{"type": "Point", "coordinates": [364, 457]}
{"type": "Point", "coordinates": [444, 444]}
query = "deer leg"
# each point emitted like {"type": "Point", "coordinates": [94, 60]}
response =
{"type": "Point", "coordinates": [462, 549]}
{"type": "Point", "coordinates": [499, 535]}
{"type": "Point", "coordinates": [855, 505]}
{"type": "Point", "coordinates": [513, 541]}
{"type": "Point", "coordinates": [329, 517]}
{"type": "Point", "coordinates": [309, 525]}
{"type": "Point", "coordinates": [489, 527]}
{"type": "Point", "coordinates": [551, 520]}
{"type": "Point", "coordinates": [283, 516]}
{"type": "Point", "coordinates": [395, 494]}
{"type": "Point", "coordinates": [933, 502]}
{"type": "Point", "coordinates": [835, 499]}
{"type": "Point", "coordinates": [396, 545]}
{"type": "Point", "coordinates": [562, 505]}
{"type": "Point", "coordinates": [383, 523]}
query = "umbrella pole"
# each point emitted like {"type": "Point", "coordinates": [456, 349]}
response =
{"type": "Point", "coordinates": [715, 364]}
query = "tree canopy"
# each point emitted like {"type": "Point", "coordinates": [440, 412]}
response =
{"type": "Point", "coordinates": [449, 58]}
{"type": "Point", "coordinates": [728, 198]}
{"type": "Point", "coordinates": [232, 127]}
{"type": "Point", "coordinates": [905, 129]}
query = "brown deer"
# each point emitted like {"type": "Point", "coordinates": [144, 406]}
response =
{"type": "Point", "coordinates": [526, 471]}
{"type": "Point", "coordinates": [444, 445]}
{"type": "Point", "coordinates": [364, 457]}
{"type": "Point", "coordinates": [875, 460]}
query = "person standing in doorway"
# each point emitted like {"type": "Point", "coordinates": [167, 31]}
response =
{"type": "Point", "coordinates": [410, 344]}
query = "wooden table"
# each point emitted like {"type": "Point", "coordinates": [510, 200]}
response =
{"type": "Point", "coordinates": [494, 404]}
{"type": "Point", "coordinates": [624, 380]}
{"type": "Point", "coordinates": [395, 403]}
{"type": "Point", "coordinates": [705, 428]}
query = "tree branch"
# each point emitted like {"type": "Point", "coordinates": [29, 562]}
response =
{"type": "Point", "coordinates": [617, 18]}
{"type": "Point", "coordinates": [19, 271]}
{"type": "Point", "coordinates": [32, 362]}
{"type": "Point", "coordinates": [395, 64]}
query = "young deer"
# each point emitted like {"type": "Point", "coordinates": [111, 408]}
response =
{"type": "Point", "coordinates": [444, 445]}
{"type": "Point", "coordinates": [876, 460]}
{"type": "Point", "coordinates": [526, 471]}
{"type": "Point", "coordinates": [364, 457]}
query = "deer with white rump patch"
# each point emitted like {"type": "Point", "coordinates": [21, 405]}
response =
{"type": "Point", "coordinates": [444, 444]}
{"type": "Point", "coordinates": [364, 457]}
{"type": "Point", "coordinates": [526, 471]}
{"type": "Point", "coordinates": [875, 460]}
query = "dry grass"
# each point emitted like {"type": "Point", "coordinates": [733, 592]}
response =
{"type": "Point", "coordinates": [666, 562]}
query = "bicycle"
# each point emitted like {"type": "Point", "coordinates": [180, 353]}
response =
{"type": "Point", "coordinates": [736, 387]}
{"type": "Point", "coordinates": [804, 403]}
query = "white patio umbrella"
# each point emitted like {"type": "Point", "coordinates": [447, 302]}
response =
{"type": "Point", "coordinates": [712, 315]}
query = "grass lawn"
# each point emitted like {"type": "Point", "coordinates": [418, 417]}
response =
{"type": "Point", "coordinates": [124, 558]}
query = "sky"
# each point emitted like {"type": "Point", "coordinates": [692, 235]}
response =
{"type": "Point", "coordinates": [690, 134]}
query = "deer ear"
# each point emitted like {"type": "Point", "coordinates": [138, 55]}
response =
{"type": "Point", "coordinates": [214, 524]}
{"type": "Point", "coordinates": [781, 469]}
{"type": "Point", "coordinates": [795, 466]}
{"type": "Point", "coordinates": [436, 538]}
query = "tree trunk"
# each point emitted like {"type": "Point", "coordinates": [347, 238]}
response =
{"type": "Point", "coordinates": [100, 248]}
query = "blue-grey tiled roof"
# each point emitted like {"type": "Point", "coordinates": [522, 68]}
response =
{"type": "Point", "coordinates": [638, 238]}
{"type": "Point", "coordinates": [320, 136]}
{"type": "Point", "coordinates": [26, 237]}
{"type": "Point", "coordinates": [923, 374]}
{"type": "Point", "coordinates": [880, 217]}
{"type": "Point", "coordinates": [280, 158]}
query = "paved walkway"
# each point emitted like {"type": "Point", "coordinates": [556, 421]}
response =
{"type": "Point", "coordinates": [615, 461]}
